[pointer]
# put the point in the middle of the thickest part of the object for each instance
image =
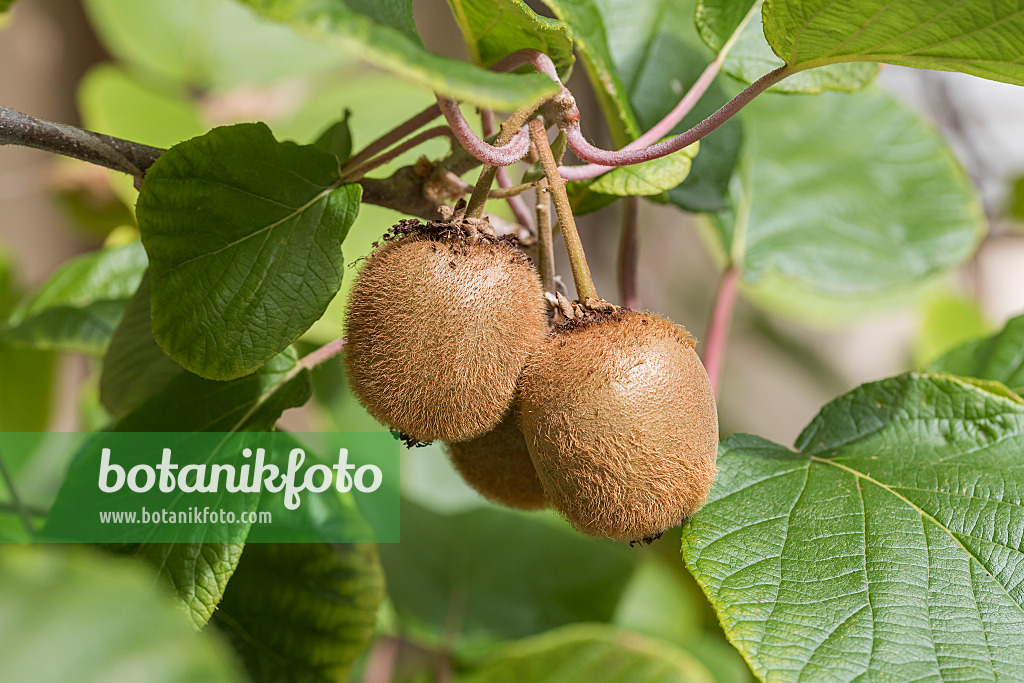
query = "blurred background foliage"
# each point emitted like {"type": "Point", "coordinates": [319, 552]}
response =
{"type": "Point", "coordinates": [479, 592]}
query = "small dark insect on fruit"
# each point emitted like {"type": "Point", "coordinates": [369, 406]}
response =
{"type": "Point", "coordinates": [646, 540]}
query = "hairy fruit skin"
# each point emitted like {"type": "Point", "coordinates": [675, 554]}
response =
{"type": "Point", "coordinates": [439, 328]}
{"type": "Point", "coordinates": [620, 420]}
{"type": "Point", "coordinates": [498, 466]}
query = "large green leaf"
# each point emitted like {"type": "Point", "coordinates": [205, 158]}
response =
{"type": "Point", "coordinates": [750, 56]}
{"type": "Point", "coordinates": [199, 571]}
{"type": "Point", "coordinates": [300, 612]}
{"type": "Point", "coordinates": [382, 32]}
{"type": "Point", "coordinates": [589, 653]}
{"type": "Point", "coordinates": [493, 29]}
{"type": "Point", "coordinates": [134, 367]}
{"type": "Point", "coordinates": [204, 43]}
{"type": "Point", "coordinates": [886, 546]}
{"type": "Point", "coordinates": [244, 238]}
{"type": "Point", "coordinates": [983, 39]}
{"type": "Point", "coordinates": [999, 357]}
{"type": "Point", "coordinates": [70, 615]}
{"type": "Point", "coordinates": [78, 308]}
{"type": "Point", "coordinates": [503, 574]}
{"type": "Point", "coordinates": [250, 403]}
{"type": "Point", "coordinates": [844, 200]}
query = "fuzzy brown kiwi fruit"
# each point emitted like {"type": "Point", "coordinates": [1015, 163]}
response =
{"type": "Point", "coordinates": [439, 327]}
{"type": "Point", "coordinates": [499, 467]}
{"type": "Point", "coordinates": [620, 420]}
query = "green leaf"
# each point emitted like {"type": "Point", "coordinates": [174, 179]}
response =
{"type": "Point", "coordinates": [78, 308]}
{"type": "Point", "coordinates": [886, 546]}
{"type": "Point", "coordinates": [252, 403]}
{"type": "Point", "coordinates": [337, 138]}
{"type": "Point", "coordinates": [382, 33]}
{"type": "Point", "coordinates": [983, 39]}
{"type": "Point", "coordinates": [649, 178]}
{"type": "Point", "coordinates": [244, 237]}
{"type": "Point", "coordinates": [584, 200]}
{"type": "Point", "coordinates": [589, 653]}
{"type": "Point", "coordinates": [506, 574]}
{"type": "Point", "coordinates": [999, 357]}
{"type": "Point", "coordinates": [205, 43]}
{"type": "Point", "coordinates": [302, 612]}
{"type": "Point", "coordinates": [70, 615]}
{"type": "Point", "coordinates": [494, 29]}
{"type": "Point", "coordinates": [134, 367]}
{"type": "Point", "coordinates": [844, 200]}
{"type": "Point", "coordinates": [750, 56]}
{"type": "Point", "coordinates": [198, 573]}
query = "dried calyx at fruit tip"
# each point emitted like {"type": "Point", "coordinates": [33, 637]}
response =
{"type": "Point", "coordinates": [499, 467]}
{"type": "Point", "coordinates": [620, 421]}
{"type": "Point", "coordinates": [440, 321]}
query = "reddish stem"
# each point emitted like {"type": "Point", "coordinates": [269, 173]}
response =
{"type": "Point", "coordinates": [661, 128]}
{"type": "Point", "coordinates": [398, 150]}
{"type": "Point", "coordinates": [380, 665]}
{"type": "Point", "coordinates": [392, 136]}
{"type": "Point", "coordinates": [515, 203]}
{"type": "Point", "coordinates": [481, 149]}
{"type": "Point", "coordinates": [535, 58]}
{"type": "Point", "coordinates": [324, 353]}
{"type": "Point", "coordinates": [624, 157]}
{"type": "Point", "coordinates": [718, 328]}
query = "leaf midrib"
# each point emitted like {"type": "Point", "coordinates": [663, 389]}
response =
{"type": "Point", "coordinates": [296, 212]}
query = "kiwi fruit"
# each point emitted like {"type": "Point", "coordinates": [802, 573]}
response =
{"type": "Point", "coordinates": [499, 467]}
{"type": "Point", "coordinates": [440, 322]}
{"type": "Point", "coordinates": [620, 420]}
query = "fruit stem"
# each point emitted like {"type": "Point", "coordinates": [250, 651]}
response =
{"type": "Point", "coordinates": [545, 241]}
{"type": "Point", "coordinates": [502, 153]}
{"type": "Point", "coordinates": [625, 157]}
{"type": "Point", "coordinates": [556, 184]}
{"type": "Point", "coordinates": [510, 129]}
{"type": "Point", "coordinates": [394, 135]}
{"type": "Point", "coordinates": [628, 251]}
{"type": "Point", "coordinates": [515, 203]}
{"type": "Point", "coordinates": [678, 113]}
{"type": "Point", "coordinates": [718, 327]}
{"type": "Point", "coordinates": [398, 150]}
{"type": "Point", "coordinates": [508, 192]}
